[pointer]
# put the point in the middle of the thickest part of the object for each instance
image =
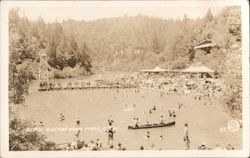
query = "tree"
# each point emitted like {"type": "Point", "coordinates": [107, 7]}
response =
{"type": "Point", "coordinates": [24, 136]}
{"type": "Point", "coordinates": [156, 46]}
{"type": "Point", "coordinates": [209, 16]}
{"type": "Point", "coordinates": [19, 79]}
{"type": "Point", "coordinates": [84, 59]}
{"type": "Point", "coordinates": [22, 47]}
{"type": "Point", "coordinates": [20, 74]}
{"type": "Point", "coordinates": [191, 53]}
{"type": "Point", "coordinates": [232, 16]}
{"type": "Point", "coordinates": [72, 52]}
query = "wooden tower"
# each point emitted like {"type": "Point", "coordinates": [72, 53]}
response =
{"type": "Point", "coordinates": [43, 68]}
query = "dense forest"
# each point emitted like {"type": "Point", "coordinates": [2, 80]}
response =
{"type": "Point", "coordinates": [126, 43]}
{"type": "Point", "coordinates": [134, 43]}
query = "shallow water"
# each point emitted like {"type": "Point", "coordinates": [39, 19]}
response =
{"type": "Point", "coordinates": [95, 107]}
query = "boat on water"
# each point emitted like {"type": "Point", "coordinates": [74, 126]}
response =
{"type": "Point", "coordinates": [154, 125]}
{"type": "Point", "coordinates": [42, 89]}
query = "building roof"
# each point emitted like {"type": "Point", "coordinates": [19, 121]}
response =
{"type": "Point", "coordinates": [204, 44]}
{"type": "Point", "coordinates": [156, 69]}
{"type": "Point", "coordinates": [197, 69]}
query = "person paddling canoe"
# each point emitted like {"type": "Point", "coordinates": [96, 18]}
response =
{"type": "Point", "coordinates": [161, 120]}
{"type": "Point", "coordinates": [136, 122]}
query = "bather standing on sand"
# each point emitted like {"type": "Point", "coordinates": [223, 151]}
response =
{"type": "Point", "coordinates": [98, 144]}
{"type": "Point", "coordinates": [110, 130]}
{"type": "Point", "coordinates": [76, 142]}
{"type": "Point", "coordinates": [186, 138]}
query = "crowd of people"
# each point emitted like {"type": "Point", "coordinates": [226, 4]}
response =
{"type": "Point", "coordinates": [181, 85]}
{"type": "Point", "coordinates": [77, 144]}
{"type": "Point", "coordinates": [199, 88]}
{"type": "Point", "coordinates": [92, 145]}
{"type": "Point", "coordinates": [202, 89]}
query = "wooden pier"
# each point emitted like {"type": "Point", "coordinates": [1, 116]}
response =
{"type": "Point", "coordinates": [85, 88]}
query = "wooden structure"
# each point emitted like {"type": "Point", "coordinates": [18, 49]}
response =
{"type": "Point", "coordinates": [43, 68]}
{"type": "Point", "coordinates": [157, 69]}
{"type": "Point", "coordinates": [202, 70]}
{"type": "Point", "coordinates": [51, 86]}
{"type": "Point", "coordinates": [160, 71]}
{"type": "Point", "coordinates": [205, 45]}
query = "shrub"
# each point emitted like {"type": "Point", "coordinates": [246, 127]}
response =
{"type": "Point", "coordinates": [57, 74]}
{"type": "Point", "coordinates": [22, 139]}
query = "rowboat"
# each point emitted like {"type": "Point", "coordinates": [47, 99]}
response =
{"type": "Point", "coordinates": [154, 125]}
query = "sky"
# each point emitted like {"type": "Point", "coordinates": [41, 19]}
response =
{"type": "Point", "coordinates": [91, 10]}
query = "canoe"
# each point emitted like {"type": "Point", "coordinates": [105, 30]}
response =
{"type": "Point", "coordinates": [155, 125]}
{"type": "Point", "coordinates": [42, 89]}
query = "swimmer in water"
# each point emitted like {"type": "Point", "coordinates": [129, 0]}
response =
{"type": "Point", "coordinates": [78, 121]}
{"type": "Point", "coordinates": [154, 108]}
{"type": "Point", "coordinates": [161, 137]}
{"type": "Point", "coordinates": [148, 134]}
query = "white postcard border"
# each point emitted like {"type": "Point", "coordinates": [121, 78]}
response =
{"type": "Point", "coordinates": [6, 5]}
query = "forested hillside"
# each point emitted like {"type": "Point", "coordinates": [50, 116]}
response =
{"type": "Point", "coordinates": [124, 44]}
{"type": "Point", "coordinates": [134, 43]}
{"type": "Point", "coordinates": [28, 40]}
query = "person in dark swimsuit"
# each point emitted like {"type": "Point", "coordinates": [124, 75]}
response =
{"type": "Point", "coordinates": [78, 121]}
{"type": "Point", "coordinates": [154, 108]}
{"type": "Point", "coordinates": [170, 114]}
{"type": "Point", "coordinates": [62, 118]}
{"type": "Point", "coordinates": [136, 122]}
{"type": "Point", "coordinates": [110, 130]}
{"type": "Point", "coordinates": [148, 134]}
{"type": "Point", "coordinates": [174, 115]}
{"type": "Point", "coordinates": [150, 111]}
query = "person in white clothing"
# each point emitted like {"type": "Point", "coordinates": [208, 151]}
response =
{"type": "Point", "coordinates": [186, 137]}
